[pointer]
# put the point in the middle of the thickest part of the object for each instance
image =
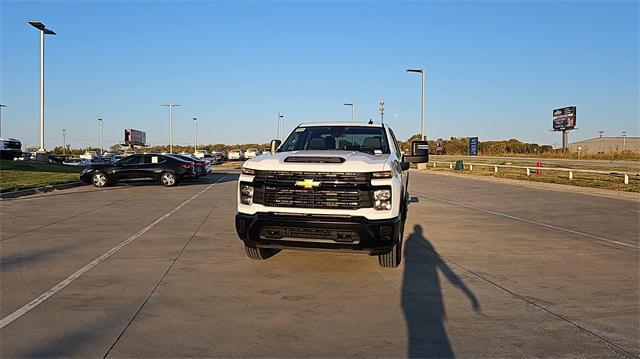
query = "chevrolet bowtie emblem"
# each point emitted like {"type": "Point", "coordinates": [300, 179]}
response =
{"type": "Point", "coordinates": [308, 183]}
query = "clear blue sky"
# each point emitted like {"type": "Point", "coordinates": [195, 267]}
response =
{"type": "Point", "coordinates": [495, 69]}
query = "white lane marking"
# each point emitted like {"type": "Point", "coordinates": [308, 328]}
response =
{"type": "Point", "coordinates": [530, 221]}
{"type": "Point", "coordinates": [58, 287]}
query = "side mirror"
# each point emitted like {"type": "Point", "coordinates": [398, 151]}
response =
{"type": "Point", "coordinates": [405, 165]}
{"type": "Point", "coordinates": [274, 145]}
{"type": "Point", "coordinates": [419, 152]}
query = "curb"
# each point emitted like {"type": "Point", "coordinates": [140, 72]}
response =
{"type": "Point", "coordinates": [633, 196]}
{"type": "Point", "coordinates": [44, 189]}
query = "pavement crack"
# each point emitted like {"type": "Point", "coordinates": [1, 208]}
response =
{"type": "Point", "coordinates": [157, 285]}
{"type": "Point", "coordinates": [530, 301]}
{"type": "Point", "coordinates": [60, 220]}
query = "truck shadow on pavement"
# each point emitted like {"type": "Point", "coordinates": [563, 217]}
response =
{"type": "Point", "coordinates": [422, 300]}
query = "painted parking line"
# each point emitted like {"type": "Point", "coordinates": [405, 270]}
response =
{"type": "Point", "coordinates": [77, 274]}
{"type": "Point", "coordinates": [528, 221]}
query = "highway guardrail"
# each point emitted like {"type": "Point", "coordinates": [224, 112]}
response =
{"type": "Point", "coordinates": [528, 169]}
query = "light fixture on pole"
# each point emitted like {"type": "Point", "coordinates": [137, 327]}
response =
{"type": "Point", "coordinates": [64, 142]}
{"type": "Point", "coordinates": [1, 106]}
{"type": "Point", "coordinates": [101, 138]}
{"type": "Point", "coordinates": [422, 75]}
{"type": "Point", "coordinates": [195, 135]}
{"type": "Point", "coordinates": [353, 111]}
{"type": "Point", "coordinates": [43, 31]}
{"type": "Point", "coordinates": [171, 106]}
{"type": "Point", "coordinates": [601, 133]}
{"type": "Point", "coordinates": [280, 126]}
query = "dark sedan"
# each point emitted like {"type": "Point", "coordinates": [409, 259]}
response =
{"type": "Point", "coordinates": [202, 166]}
{"type": "Point", "coordinates": [167, 170]}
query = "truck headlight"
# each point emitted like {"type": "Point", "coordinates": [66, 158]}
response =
{"type": "Point", "coordinates": [246, 194]}
{"type": "Point", "coordinates": [382, 199]}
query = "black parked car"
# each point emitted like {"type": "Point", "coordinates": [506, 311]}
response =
{"type": "Point", "coordinates": [166, 169]}
{"type": "Point", "coordinates": [202, 166]}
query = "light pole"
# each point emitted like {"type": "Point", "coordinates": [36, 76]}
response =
{"type": "Point", "coordinates": [43, 31]}
{"type": "Point", "coordinates": [101, 138]}
{"type": "Point", "coordinates": [624, 140]}
{"type": "Point", "coordinates": [171, 106]}
{"type": "Point", "coordinates": [64, 142]}
{"type": "Point", "coordinates": [195, 135]}
{"type": "Point", "coordinates": [382, 111]}
{"type": "Point", "coordinates": [421, 71]}
{"type": "Point", "coordinates": [601, 133]}
{"type": "Point", "coordinates": [353, 111]}
{"type": "Point", "coordinates": [280, 126]}
{"type": "Point", "coordinates": [1, 106]}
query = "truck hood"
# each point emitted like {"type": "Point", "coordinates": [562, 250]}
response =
{"type": "Point", "coordinates": [319, 161]}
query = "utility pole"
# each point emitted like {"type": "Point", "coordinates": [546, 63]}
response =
{"type": "Point", "coordinates": [422, 76]}
{"type": "Point", "coordinates": [624, 140]}
{"type": "Point", "coordinates": [64, 142]}
{"type": "Point", "coordinates": [280, 126]}
{"type": "Point", "coordinates": [101, 138]}
{"type": "Point", "coordinates": [1, 106]}
{"type": "Point", "coordinates": [382, 111]}
{"type": "Point", "coordinates": [195, 135]}
{"type": "Point", "coordinates": [353, 111]}
{"type": "Point", "coordinates": [601, 133]}
{"type": "Point", "coordinates": [43, 31]}
{"type": "Point", "coordinates": [171, 106]}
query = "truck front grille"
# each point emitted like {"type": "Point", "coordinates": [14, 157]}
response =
{"type": "Point", "coordinates": [333, 190]}
{"type": "Point", "coordinates": [310, 234]}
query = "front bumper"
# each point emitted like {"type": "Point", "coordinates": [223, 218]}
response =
{"type": "Point", "coordinates": [349, 234]}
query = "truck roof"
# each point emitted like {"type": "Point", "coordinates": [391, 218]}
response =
{"type": "Point", "coordinates": [339, 123]}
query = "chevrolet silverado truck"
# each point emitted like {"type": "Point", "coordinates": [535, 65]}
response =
{"type": "Point", "coordinates": [329, 186]}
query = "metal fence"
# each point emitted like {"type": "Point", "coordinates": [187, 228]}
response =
{"type": "Point", "coordinates": [528, 169]}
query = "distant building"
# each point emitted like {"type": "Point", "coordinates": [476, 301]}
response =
{"type": "Point", "coordinates": [606, 144]}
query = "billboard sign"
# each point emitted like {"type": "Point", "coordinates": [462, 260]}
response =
{"type": "Point", "coordinates": [564, 118]}
{"type": "Point", "coordinates": [135, 137]}
{"type": "Point", "coordinates": [439, 146]}
{"type": "Point", "coordinates": [473, 146]}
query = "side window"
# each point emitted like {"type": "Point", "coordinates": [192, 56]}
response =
{"type": "Point", "coordinates": [395, 143]}
{"type": "Point", "coordinates": [131, 160]}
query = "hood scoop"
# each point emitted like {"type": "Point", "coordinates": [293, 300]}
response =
{"type": "Point", "coordinates": [314, 159]}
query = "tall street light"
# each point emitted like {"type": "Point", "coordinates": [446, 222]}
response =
{"type": "Point", "coordinates": [353, 111]}
{"type": "Point", "coordinates": [381, 111]}
{"type": "Point", "coordinates": [280, 126]}
{"type": "Point", "coordinates": [64, 142]}
{"type": "Point", "coordinates": [624, 140]}
{"type": "Point", "coordinates": [421, 71]}
{"type": "Point", "coordinates": [43, 31]}
{"type": "Point", "coordinates": [171, 106]}
{"type": "Point", "coordinates": [195, 135]}
{"type": "Point", "coordinates": [1, 106]}
{"type": "Point", "coordinates": [101, 138]}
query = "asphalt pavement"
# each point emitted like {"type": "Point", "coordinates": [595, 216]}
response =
{"type": "Point", "coordinates": [489, 270]}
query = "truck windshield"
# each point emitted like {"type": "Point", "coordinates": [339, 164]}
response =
{"type": "Point", "coordinates": [371, 140]}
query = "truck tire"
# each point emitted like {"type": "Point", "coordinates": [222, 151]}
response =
{"type": "Point", "coordinates": [393, 258]}
{"type": "Point", "coordinates": [260, 254]}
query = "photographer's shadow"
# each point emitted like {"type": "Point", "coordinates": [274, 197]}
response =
{"type": "Point", "coordinates": [422, 300]}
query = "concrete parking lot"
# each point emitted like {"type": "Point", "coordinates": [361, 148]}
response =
{"type": "Point", "coordinates": [489, 270]}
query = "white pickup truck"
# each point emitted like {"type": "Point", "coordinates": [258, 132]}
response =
{"type": "Point", "coordinates": [335, 186]}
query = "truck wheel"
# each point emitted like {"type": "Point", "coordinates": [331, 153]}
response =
{"type": "Point", "coordinates": [393, 258]}
{"type": "Point", "coordinates": [260, 254]}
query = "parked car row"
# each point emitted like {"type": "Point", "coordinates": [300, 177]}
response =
{"type": "Point", "coordinates": [238, 155]}
{"type": "Point", "coordinates": [167, 169]}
